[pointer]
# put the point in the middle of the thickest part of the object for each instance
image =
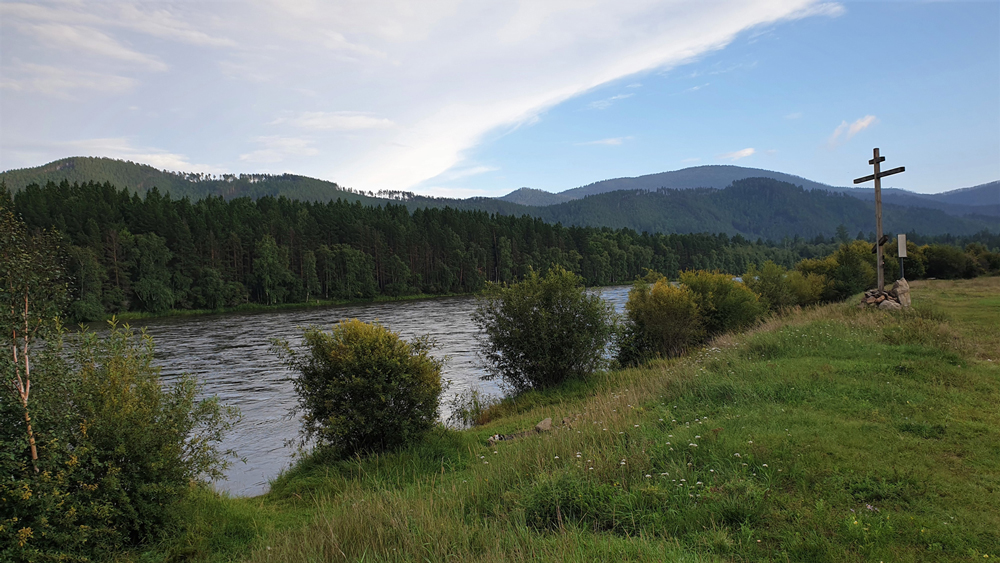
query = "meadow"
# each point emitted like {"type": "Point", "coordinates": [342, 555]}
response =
{"type": "Point", "coordinates": [831, 433]}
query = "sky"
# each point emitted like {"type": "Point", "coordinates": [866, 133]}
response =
{"type": "Point", "coordinates": [463, 98]}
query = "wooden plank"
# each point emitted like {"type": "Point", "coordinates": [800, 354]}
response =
{"type": "Point", "coordinates": [891, 172]}
{"type": "Point", "coordinates": [880, 159]}
{"type": "Point", "coordinates": [865, 179]}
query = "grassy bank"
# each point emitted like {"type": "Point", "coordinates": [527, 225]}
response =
{"type": "Point", "coordinates": [832, 434]}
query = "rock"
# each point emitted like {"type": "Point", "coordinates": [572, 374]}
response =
{"type": "Point", "coordinates": [544, 426]}
{"type": "Point", "coordinates": [870, 300]}
{"type": "Point", "coordinates": [890, 305]}
{"type": "Point", "coordinates": [902, 289]}
{"type": "Point", "coordinates": [567, 421]}
{"type": "Point", "coordinates": [880, 299]}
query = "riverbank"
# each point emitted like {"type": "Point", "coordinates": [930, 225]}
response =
{"type": "Point", "coordinates": [832, 434]}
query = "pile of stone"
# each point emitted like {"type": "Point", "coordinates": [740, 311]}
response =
{"type": "Point", "coordinates": [896, 298]}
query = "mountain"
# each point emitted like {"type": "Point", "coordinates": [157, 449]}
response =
{"type": "Point", "coordinates": [754, 207]}
{"type": "Point", "coordinates": [141, 178]}
{"type": "Point", "coordinates": [536, 198]}
{"type": "Point", "coordinates": [711, 176]}
{"type": "Point", "coordinates": [978, 200]}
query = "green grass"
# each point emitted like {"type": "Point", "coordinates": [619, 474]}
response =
{"type": "Point", "coordinates": [832, 434]}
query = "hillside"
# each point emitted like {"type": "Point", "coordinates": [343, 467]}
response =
{"type": "Point", "coordinates": [754, 207]}
{"type": "Point", "coordinates": [141, 178]}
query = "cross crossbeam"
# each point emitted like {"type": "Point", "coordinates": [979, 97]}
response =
{"type": "Point", "coordinates": [877, 176]}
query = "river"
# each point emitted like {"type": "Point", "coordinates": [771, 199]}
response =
{"type": "Point", "coordinates": [231, 355]}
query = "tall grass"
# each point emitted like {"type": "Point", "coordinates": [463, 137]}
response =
{"type": "Point", "coordinates": [831, 434]}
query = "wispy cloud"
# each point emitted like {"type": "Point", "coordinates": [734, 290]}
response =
{"type": "Point", "coordinates": [736, 155]}
{"type": "Point", "coordinates": [699, 87]}
{"type": "Point", "coordinates": [336, 121]}
{"type": "Point", "coordinates": [457, 174]}
{"type": "Point", "coordinates": [277, 148]}
{"type": "Point", "coordinates": [607, 102]}
{"type": "Point", "coordinates": [611, 141]}
{"type": "Point", "coordinates": [794, 115]}
{"type": "Point", "coordinates": [62, 82]}
{"type": "Point", "coordinates": [845, 130]}
{"type": "Point", "coordinates": [123, 148]}
{"type": "Point", "coordinates": [90, 40]}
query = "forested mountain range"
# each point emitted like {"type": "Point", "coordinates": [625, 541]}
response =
{"type": "Point", "coordinates": [764, 206]}
{"type": "Point", "coordinates": [977, 200]}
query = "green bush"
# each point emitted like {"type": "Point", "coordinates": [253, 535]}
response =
{"type": "Point", "coordinates": [117, 450]}
{"type": "Point", "coordinates": [661, 320]}
{"type": "Point", "coordinates": [725, 304]}
{"type": "Point", "coordinates": [543, 330]}
{"type": "Point", "coordinates": [770, 284]}
{"type": "Point", "coordinates": [362, 388]}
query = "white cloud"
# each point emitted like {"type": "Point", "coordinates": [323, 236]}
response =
{"type": "Point", "coordinates": [456, 174]}
{"type": "Point", "coordinates": [852, 129]}
{"type": "Point", "coordinates": [61, 82]}
{"type": "Point", "coordinates": [794, 115]}
{"type": "Point", "coordinates": [123, 148]}
{"type": "Point", "coordinates": [736, 155]}
{"type": "Point", "coordinates": [336, 121]}
{"type": "Point", "coordinates": [699, 87]}
{"type": "Point", "coordinates": [277, 149]}
{"type": "Point", "coordinates": [607, 102]}
{"type": "Point", "coordinates": [79, 38]}
{"type": "Point", "coordinates": [611, 141]}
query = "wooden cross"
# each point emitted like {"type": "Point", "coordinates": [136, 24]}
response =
{"type": "Point", "coordinates": [877, 176]}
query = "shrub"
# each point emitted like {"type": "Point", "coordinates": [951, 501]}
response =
{"type": "Point", "coordinates": [662, 320]}
{"type": "Point", "coordinates": [947, 262]}
{"type": "Point", "coordinates": [806, 289]}
{"type": "Point", "coordinates": [543, 330]}
{"type": "Point", "coordinates": [725, 304]}
{"type": "Point", "coordinates": [771, 285]}
{"type": "Point", "coordinates": [362, 388]}
{"type": "Point", "coordinates": [117, 450]}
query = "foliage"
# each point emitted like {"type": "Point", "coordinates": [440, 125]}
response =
{"type": "Point", "coordinates": [117, 450]}
{"type": "Point", "coordinates": [725, 304]}
{"type": "Point", "coordinates": [661, 320]}
{"type": "Point", "coordinates": [362, 388]}
{"type": "Point", "coordinates": [779, 288]}
{"type": "Point", "coordinates": [542, 331]}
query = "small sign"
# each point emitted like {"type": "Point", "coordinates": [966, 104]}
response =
{"type": "Point", "coordinates": [902, 245]}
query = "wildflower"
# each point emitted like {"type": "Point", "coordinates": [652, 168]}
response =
{"type": "Point", "coordinates": [765, 465]}
{"type": "Point", "coordinates": [737, 455]}
{"type": "Point", "coordinates": [697, 437]}
{"type": "Point", "coordinates": [648, 476]}
{"type": "Point", "coordinates": [664, 475]}
{"type": "Point", "coordinates": [557, 457]}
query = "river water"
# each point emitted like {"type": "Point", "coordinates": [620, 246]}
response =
{"type": "Point", "coordinates": [231, 355]}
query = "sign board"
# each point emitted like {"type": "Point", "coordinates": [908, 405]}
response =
{"type": "Point", "coordinates": [902, 245]}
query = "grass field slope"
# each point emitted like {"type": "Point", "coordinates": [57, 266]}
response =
{"type": "Point", "coordinates": [830, 434]}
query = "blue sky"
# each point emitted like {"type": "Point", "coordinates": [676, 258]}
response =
{"type": "Point", "coordinates": [468, 98]}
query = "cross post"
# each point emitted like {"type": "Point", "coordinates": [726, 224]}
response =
{"type": "Point", "coordinates": [877, 176]}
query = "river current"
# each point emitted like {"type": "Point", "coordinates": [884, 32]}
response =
{"type": "Point", "coordinates": [231, 355]}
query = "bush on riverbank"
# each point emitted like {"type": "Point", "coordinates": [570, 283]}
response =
{"type": "Point", "coordinates": [363, 389]}
{"type": "Point", "coordinates": [542, 331]}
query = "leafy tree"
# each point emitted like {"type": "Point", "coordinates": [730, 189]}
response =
{"type": "Point", "coordinates": [543, 330]}
{"type": "Point", "coordinates": [152, 285]}
{"type": "Point", "coordinates": [725, 304]}
{"type": "Point", "coordinates": [270, 270]}
{"type": "Point", "coordinates": [662, 320]}
{"type": "Point", "coordinates": [362, 388]}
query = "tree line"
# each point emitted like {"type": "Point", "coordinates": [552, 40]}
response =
{"type": "Point", "coordinates": [154, 253]}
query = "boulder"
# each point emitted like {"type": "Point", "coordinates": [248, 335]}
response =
{"type": "Point", "coordinates": [890, 305]}
{"type": "Point", "coordinates": [902, 290]}
{"type": "Point", "coordinates": [544, 426]}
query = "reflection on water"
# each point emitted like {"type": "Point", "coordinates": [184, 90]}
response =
{"type": "Point", "coordinates": [231, 356]}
